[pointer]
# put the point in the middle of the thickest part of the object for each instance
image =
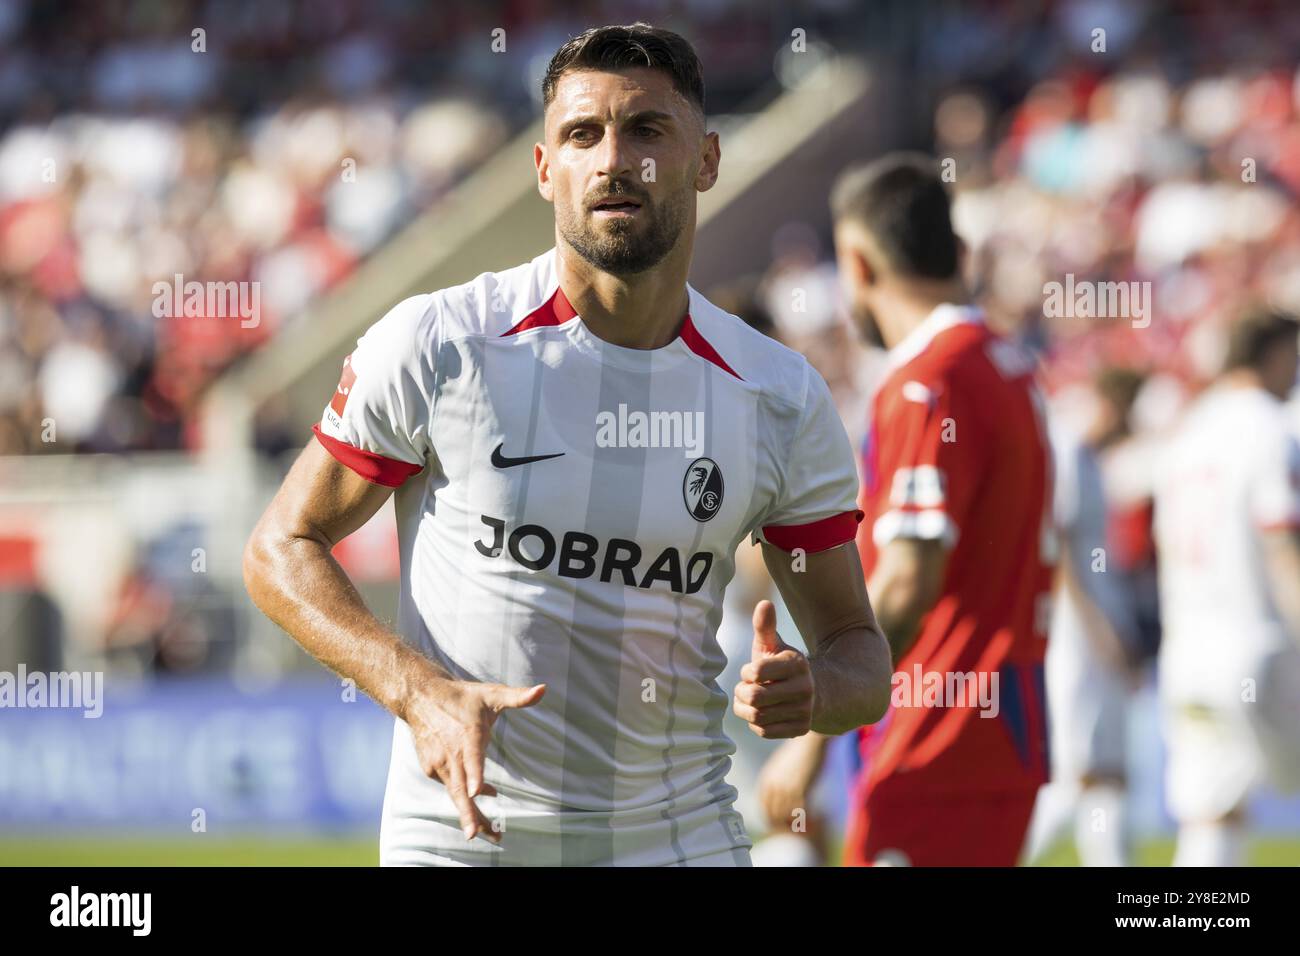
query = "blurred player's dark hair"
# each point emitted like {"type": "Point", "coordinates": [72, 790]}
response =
{"type": "Point", "coordinates": [1118, 387]}
{"type": "Point", "coordinates": [902, 203]}
{"type": "Point", "coordinates": [1252, 338]}
{"type": "Point", "coordinates": [625, 47]}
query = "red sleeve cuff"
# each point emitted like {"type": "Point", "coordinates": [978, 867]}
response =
{"type": "Point", "coordinates": [816, 536]}
{"type": "Point", "coordinates": [374, 468]}
{"type": "Point", "coordinates": [1286, 524]}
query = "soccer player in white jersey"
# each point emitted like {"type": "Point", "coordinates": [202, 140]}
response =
{"type": "Point", "coordinates": [1227, 523]}
{"type": "Point", "coordinates": [578, 445]}
{"type": "Point", "coordinates": [1087, 669]}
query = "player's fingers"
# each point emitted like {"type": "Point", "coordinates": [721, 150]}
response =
{"type": "Point", "coordinates": [474, 772]}
{"type": "Point", "coordinates": [453, 778]}
{"type": "Point", "coordinates": [787, 713]}
{"type": "Point", "coordinates": [767, 717]}
{"type": "Point", "coordinates": [744, 711]}
{"type": "Point", "coordinates": [784, 665]}
{"type": "Point", "coordinates": [766, 640]}
{"type": "Point", "coordinates": [472, 759]}
{"type": "Point", "coordinates": [472, 820]}
{"type": "Point", "coordinates": [769, 695]}
{"type": "Point", "coordinates": [503, 697]}
{"type": "Point", "coordinates": [780, 731]}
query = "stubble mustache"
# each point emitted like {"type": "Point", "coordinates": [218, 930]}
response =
{"type": "Point", "coordinates": [618, 189]}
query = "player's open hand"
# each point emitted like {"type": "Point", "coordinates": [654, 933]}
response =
{"type": "Point", "coordinates": [775, 693]}
{"type": "Point", "coordinates": [452, 722]}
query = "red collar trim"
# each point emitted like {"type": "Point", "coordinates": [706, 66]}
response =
{"type": "Point", "coordinates": [701, 347]}
{"type": "Point", "coordinates": [554, 311]}
{"type": "Point", "coordinates": [557, 310]}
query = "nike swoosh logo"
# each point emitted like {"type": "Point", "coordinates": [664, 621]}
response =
{"type": "Point", "coordinates": [501, 461]}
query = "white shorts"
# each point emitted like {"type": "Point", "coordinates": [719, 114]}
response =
{"type": "Point", "coordinates": [1223, 744]}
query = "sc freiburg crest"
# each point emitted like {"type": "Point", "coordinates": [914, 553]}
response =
{"type": "Point", "coordinates": [702, 488]}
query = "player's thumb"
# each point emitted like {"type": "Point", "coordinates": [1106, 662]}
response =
{"type": "Point", "coordinates": [504, 697]}
{"type": "Point", "coordinates": [766, 640]}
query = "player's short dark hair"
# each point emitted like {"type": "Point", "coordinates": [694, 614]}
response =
{"type": "Point", "coordinates": [902, 203]}
{"type": "Point", "coordinates": [1254, 336]}
{"type": "Point", "coordinates": [625, 47]}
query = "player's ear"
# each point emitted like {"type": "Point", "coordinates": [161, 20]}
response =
{"type": "Point", "coordinates": [875, 265]}
{"type": "Point", "coordinates": [543, 165]}
{"type": "Point", "coordinates": [861, 255]}
{"type": "Point", "coordinates": [867, 270]}
{"type": "Point", "coordinates": [853, 250]}
{"type": "Point", "coordinates": [709, 161]}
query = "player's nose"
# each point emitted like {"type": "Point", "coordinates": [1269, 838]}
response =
{"type": "Point", "coordinates": [614, 156]}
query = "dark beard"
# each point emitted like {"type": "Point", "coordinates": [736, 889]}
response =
{"type": "Point", "coordinates": [617, 249]}
{"type": "Point", "coordinates": [868, 327]}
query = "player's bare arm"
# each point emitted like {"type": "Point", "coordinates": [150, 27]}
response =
{"type": "Point", "coordinates": [843, 683]}
{"type": "Point", "coordinates": [293, 578]}
{"type": "Point", "coordinates": [907, 582]}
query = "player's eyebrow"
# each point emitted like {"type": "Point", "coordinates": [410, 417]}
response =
{"type": "Point", "coordinates": [634, 119]}
{"type": "Point", "coordinates": [649, 116]}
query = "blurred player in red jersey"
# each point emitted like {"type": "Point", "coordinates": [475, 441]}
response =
{"type": "Point", "coordinates": [957, 544]}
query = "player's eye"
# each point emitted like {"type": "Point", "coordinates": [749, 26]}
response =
{"type": "Point", "coordinates": [647, 132]}
{"type": "Point", "coordinates": [582, 135]}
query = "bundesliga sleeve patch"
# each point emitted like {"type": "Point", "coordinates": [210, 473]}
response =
{"type": "Point", "coordinates": [344, 388]}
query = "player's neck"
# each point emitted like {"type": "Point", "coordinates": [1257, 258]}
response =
{"type": "Point", "coordinates": [911, 304]}
{"type": "Point", "coordinates": [644, 311]}
{"type": "Point", "coordinates": [1243, 378]}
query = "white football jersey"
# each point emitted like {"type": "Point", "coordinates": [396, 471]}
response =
{"type": "Point", "coordinates": [567, 514]}
{"type": "Point", "coordinates": [1231, 473]}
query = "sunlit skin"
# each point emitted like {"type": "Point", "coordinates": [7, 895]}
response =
{"type": "Point", "coordinates": [600, 130]}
